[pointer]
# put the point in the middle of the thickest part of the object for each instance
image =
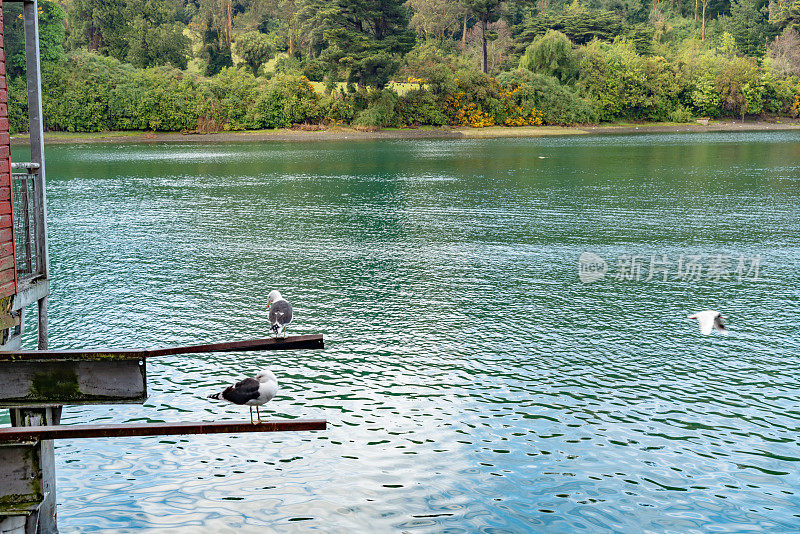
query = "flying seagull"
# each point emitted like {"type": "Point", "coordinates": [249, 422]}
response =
{"type": "Point", "coordinates": [708, 320]}
{"type": "Point", "coordinates": [280, 312]}
{"type": "Point", "coordinates": [251, 392]}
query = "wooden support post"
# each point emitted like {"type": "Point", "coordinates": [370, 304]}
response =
{"type": "Point", "coordinates": [36, 126]}
{"type": "Point", "coordinates": [43, 329]}
{"type": "Point", "coordinates": [37, 480]}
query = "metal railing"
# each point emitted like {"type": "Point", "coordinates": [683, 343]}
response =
{"type": "Point", "coordinates": [23, 192]}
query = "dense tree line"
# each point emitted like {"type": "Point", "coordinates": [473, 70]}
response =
{"type": "Point", "coordinates": [182, 64]}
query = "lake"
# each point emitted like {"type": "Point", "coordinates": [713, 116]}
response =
{"type": "Point", "coordinates": [474, 378]}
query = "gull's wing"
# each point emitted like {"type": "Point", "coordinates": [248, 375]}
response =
{"type": "Point", "coordinates": [707, 320]}
{"type": "Point", "coordinates": [241, 392]}
{"type": "Point", "coordinates": [280, 313]}
{"type": "Point", "coordinates": [706, 324]}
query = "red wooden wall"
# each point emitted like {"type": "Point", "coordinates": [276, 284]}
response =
{"type": "Point", "coordinates": [8, 264]}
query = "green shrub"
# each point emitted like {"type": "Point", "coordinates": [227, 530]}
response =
{"type": "Point", "coordinates": [17, 106]}
{"type": "Point", "coordinates": [380, 112]}
{"type": "Point", "coordinates": [552, 55]}
{"type": "Point", "coordinates": [680, 114]}
{"type": "Point", "coordinates": [158, 98]}
{"type": "Point", "coordinates": [738, 85]}
{"type": "Point", "coordinates": [557, 103]}
{"type": "Point", "coordinates": [337, 109]}
{"type": "Point", "coordinates": [420, 107]}
{"type": "Point", "coordinates": [627, 85]}
{"type": "Point", "coordinates": [235, 93]}
{"type": "Point", "coordinates": [288, 100]}
{"type": "Point", "coordinates": [76, 94]}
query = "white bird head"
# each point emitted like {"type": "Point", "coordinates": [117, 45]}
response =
{"type": "Point", "coordinates": [266, 375]}
{"type": "Point", "coordinates": [274, 296]}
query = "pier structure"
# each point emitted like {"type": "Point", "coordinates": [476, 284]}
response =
{"type": "Point", "coordinates": [35, 384]}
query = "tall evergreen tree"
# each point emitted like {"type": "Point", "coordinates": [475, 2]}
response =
{"type": "Point", "coordinates": [366, 38]}
{"type": "Point", "coordinates": [142, 32]}
{"type": "Point", "coordinates": [255, 49]}
{"type": "Point", "coordinates": [485, 11]}
{"type": "Point", "coordinates": [749, 26]}
{"type": "Point", "coordinates": [785, 13]}
{"type": "Point", "coordinates": [51, 35]}
{"type": "Point", "coordinates": [155, 37]}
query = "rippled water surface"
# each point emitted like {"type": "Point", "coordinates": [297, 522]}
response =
{"type": "Point", "coordinates": [472, 382]}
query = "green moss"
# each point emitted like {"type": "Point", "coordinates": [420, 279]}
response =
{"type": "Point", "coordinates": [61, 384]}
{"type": "Point", "coordinates": [33, 495]}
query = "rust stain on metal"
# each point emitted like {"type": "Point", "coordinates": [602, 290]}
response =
{"type": "Point", "coordinates": [27, 433]}
{"type": "Point", "coordinates": [314, 341]}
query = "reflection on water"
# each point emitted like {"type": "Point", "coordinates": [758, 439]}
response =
{"type": "Point", "coordinates": [471, 381]}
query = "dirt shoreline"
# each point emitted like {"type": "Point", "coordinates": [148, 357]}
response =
{"type": "Point", "coordinates": [340, 134]}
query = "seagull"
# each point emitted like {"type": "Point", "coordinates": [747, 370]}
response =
{"type": "Point", "coordinates": [708, 320]}
{"type": "Point", "coordinates": [280, 312]}
{"type": "Point", "coordinates": [251, 391]}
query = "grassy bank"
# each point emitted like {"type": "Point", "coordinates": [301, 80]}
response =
{"type": "Point", "coordinates": [342, 133]}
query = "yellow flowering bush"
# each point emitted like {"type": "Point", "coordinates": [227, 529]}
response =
{"type": "Point", "coordinates": [470, 115]}
{"type": "Point", "coordinates": [519, 118]}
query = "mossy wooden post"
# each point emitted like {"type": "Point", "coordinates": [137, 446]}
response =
{"type": "Point", "coordinates": [28, 473]}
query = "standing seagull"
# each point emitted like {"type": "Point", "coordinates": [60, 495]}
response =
{"type": "Point", "coordinates": [708, 320]}
{"type": "Point", "coordinates": [280, 312]}
{"type": "Point", "coordinates": [251, 391]}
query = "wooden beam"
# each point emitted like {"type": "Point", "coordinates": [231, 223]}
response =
{"type": "Point", "coordinates": [72, 381]}
{"type": "Point", "coordinates": [30, 290]}
{"type": "Point", "coordinates": [33, 433]}
{"type": "Point", "coordinates": [313, 341]}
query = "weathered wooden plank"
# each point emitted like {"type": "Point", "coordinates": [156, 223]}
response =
{"type": "Point", "coordinates": [7, 289]}
{"type": "Point", "coordinates": [6, 221]}
{"type": "Point", "coordinates": [5, 193]}
{"type": "Point", "coordinates": [6, 262]}
{"type": "Point", "coordinates": [8, 321]}
{"type": "Point", "coordinates": [7, 275]}
{"type": "Point", "coordinates": [20, 473]}
{"type": "Point", "coordinates": [19, 165]}
{"type": "Point", "coordinates": [6, 234]}
{"type": "Point", "coordinates": [314, 341]}
{"type": "Point", "coordinates": [72, 382]}
{"type": "Point", "coordinates": [30, 291]}
{"type": "Point", "coordinates": [28, 433]}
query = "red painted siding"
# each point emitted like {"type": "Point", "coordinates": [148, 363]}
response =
{"type": "Point", "coordinates": [8, 263]}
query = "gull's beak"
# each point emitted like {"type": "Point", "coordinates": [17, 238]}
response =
{"type": "Point", "coordinates": [269, 303]}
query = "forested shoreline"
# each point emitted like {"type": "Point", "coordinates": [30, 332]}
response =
{"type": "Point", "coordinates": [228, 65]}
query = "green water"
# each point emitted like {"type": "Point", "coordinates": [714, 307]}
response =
{"type": "Point", "coordinates": [472, 381]}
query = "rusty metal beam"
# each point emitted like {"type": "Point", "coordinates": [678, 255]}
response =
{"type": "Point", "coordinates": [314, 341]}
{"type": "Point", "coordinates": [30, 433]}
